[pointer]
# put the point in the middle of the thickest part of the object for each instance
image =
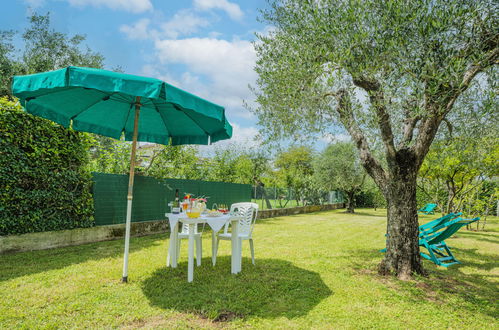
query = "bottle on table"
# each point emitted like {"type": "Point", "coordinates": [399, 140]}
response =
{"type": "Point", "coordinates": [176, 204]}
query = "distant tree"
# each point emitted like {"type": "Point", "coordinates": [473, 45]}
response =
{"type": "Point", "coordinates": [43, 49]}
{"type": "Point", "coordinates": [174, 162]}
{"type": "Point", "coordinates": [464, 156]}
{"type": "Point", "coordinates": [338, 167]}
{"type": "Point", "coordinates": [294, 168]}
{"type": "Point", "coordinates": [260, 172]}
{"type": "Point", "coordinates": [9, 66]}
{"type": "Point", "coordinates": [459, 166]}
{"type": "Point", "coordinates": [390, 72]}
{"type": "Point", "coordinates": [108, 155]}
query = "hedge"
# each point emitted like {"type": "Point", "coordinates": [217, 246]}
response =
{"type": "Point", "coordinates": [44, 180]}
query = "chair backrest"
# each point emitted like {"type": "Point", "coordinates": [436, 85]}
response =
{"type": "Point", "coordinates": [449, 229]}
{"type": "Point", "coordinates": [429, 227]}
{"type": "Point", "coordinates": [185, 229]}
{"type": "Point", "coordinates": [248, 213]}
{"type": "Point", "coordinates": [428, 207]}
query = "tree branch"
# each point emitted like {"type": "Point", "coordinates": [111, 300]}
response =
{"type": "Point", "coordinates": [376, 96]}
{"type": "Point", "coordinates": [156, 153]}
{"type": "Point", "coordinates": [409, 125]}
{"type": "Point", "coordinates": [371, 164]}
{"type": "Point", "coordinates": [427, 131]}
{"type": "Point", "coordinates": [491, 59]}
{"type": "Point", "coordinates": [449, 128]}
{"type": "Point", "coordinates": [437, 112]}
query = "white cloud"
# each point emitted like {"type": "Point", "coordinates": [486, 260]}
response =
{"type": "Point", "coordinates": [139, 30]}
{"type": "Point", "coordinates": [244, 135]}
{"type": "Point", "coordinates": [241, 136]}
{"type": "Point", "coordinates": [227, 65]}
{"type": "Point", "coordinates": [151, 70]}
{"type": "Point", "coordinates": [35, 3]}
{"type": "Point", "coordinates": [134, 6]}
{"type": "Point", "coordinates": [331, 138]}
{"type": "Point", "coordinates": [232, 9]}
{"type": "Point", "coordinates": [183, 22]}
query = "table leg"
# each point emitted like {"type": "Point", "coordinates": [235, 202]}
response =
{"type": "Point", "coordinates": [190, 270]}
{"type": "Point", "coordinates": [213, 247]}
{"type": "Point", "coordinates": [172, 257]}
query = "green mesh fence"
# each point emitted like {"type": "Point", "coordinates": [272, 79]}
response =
{"type": "Point", "coordinates": [151, 196]}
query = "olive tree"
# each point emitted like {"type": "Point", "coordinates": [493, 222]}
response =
{"type": "Point", "coordinates": [338, 168]}
{"type": "Point", "coordinates": [295, 170]}
{"type": "Point", "coordinates": [388, 72]}
{"type": "Point", "coordinates": [43, 49]}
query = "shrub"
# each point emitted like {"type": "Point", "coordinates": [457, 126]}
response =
{"type": "Point", "coordinates": [44, 180]}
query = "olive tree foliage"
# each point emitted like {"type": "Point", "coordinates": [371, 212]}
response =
{"type": "Point", "coordinates": [338, 168]}
{"type": "Point", "coordinates": [108, 155]}
{"type": "Point", "coordinates": [43, 49]}
{"type": "Point", "coordinates": [457, 168]}
{"type": "Point", "coordinates": [8, 67]}
{"type": "Point", "coordinates": [461, 166]}
{"type": "Point", "coordinates": [47, 49]}
{"type": "Point", "coordinates": [389, 72]}
{"type": "Point", "coordinates": [295, 171]}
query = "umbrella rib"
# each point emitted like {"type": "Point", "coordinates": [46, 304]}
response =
{"type": "Point", "coordinates": [127, 116]}
{"type": "Point", "coordinates": [176, 108]}
{"type": "Point", "coordinates": [120, 98]}
{"type": "Point", "coordinates": [162, 119]}
{"type": "Point", "coordinates": [105, 98]}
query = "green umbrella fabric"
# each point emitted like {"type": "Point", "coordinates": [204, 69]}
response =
{"type": "Point", "coordinates": [103, 102]}
{"type": "Point", "coordinates": [111, 103]}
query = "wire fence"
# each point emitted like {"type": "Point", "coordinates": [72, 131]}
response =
{"type": "Point", "coordinates": [278, 197]}
{"type": "Point", "coordinates": [151, 196]}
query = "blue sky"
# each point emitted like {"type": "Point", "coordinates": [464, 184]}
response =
{"type": "Point", "coordinates": [202, 46]}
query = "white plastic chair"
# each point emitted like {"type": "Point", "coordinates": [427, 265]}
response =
{"type": "Point", "coordinates": [184, 234]}
{"type": "Point", "coordinates": [248, 213]}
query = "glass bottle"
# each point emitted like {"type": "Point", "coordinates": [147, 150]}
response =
{"type": "Point", "coordinates": [176, 204]}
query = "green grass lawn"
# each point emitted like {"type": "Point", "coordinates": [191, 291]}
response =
{"type": "Point", "coordinates": [313, 271]}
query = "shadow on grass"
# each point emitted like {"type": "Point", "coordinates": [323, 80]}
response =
{"type": "Point", "coordinates": [479, 236]}
{"type": "Point", "coordinates": [14, 265]}
{"type": "Point", "coordinates": [273, 288]}
{"type": "Point", "coordinates": [478, 290]}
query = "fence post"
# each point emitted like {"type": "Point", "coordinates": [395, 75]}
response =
{"type": "Point", "coordinates": [275, 197]}
{"type": "Point", "coordinates": [261, 194]}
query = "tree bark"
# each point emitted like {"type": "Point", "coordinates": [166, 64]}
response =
{"type": "Point", "coordinates": [402, 245]}
{"type": "Point", "coordinates": [451, 194]}
{"type": "Point", "coordinates": [264, 194]}
{"type": "Point", "coordinates": [350, 201]}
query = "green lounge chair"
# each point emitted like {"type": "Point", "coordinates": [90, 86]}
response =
{"type": "Point", "coordinates": [432, 226]}
{"type": "Point", "coordinates": [428, 209]}
{"type": "Point", "coordinates": [438, 251]}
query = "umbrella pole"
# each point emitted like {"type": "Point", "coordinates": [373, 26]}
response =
{"type": "Point", "coordinates": [124, 279]}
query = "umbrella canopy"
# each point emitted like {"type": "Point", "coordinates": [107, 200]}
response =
{"type": "Point", "coordinates": [102, 102]}
{"type": "Point", "coordinates": [111, 104]}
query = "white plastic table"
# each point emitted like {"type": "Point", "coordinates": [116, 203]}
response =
{"type": "Point", "coordinates": [216, 223]}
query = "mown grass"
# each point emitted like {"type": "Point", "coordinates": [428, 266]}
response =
{"type": "Point", "coordinates": [313, 271]}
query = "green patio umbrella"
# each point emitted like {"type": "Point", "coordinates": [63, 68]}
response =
{"type": "Point", "coordinates": [112, 104]}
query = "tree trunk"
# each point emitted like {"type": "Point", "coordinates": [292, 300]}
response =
{"type": "Point", "coordinates": [402, 249]}
{"type": "Point", "coordinates": [266, 198]}
{"type": "Point", "coordinates": [451, 190]}
{"type": "Point", "coordinates": [350, 201]}
{"type": "Point", "coordinates": [259, 183]}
